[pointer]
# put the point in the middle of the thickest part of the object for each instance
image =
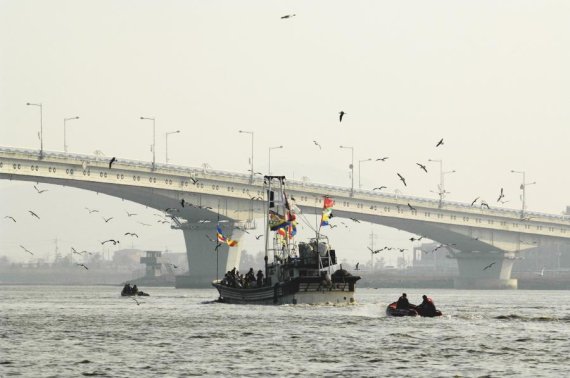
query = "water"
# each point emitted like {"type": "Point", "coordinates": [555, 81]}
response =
{"type": "Point", "coordinates": [91, 331]}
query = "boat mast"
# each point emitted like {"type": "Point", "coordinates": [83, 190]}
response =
{"type": "Point", "coordinates": [267, 180]}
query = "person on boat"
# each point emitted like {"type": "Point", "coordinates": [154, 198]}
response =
{"type": "Point", "coordinates": [403, 302]}
{"type": "Point", "coordinates": [259, 278]}
{"type": "Point", "coordinates": [126, 289]}
{"type": "Point", "coordinates": [135, 290]}
{"type": "Point", "coordinates": [427, 307]}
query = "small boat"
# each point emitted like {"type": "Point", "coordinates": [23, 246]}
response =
{"type": "Point", "coordinates": [295, 273]}
{"type": "Point", "coordinates": [129, 291]}
{"type": "Point", "coordinates": [391, 310]}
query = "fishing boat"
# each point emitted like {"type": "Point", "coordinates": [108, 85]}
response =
{"type": "Point", "coordinates": [295, 273]}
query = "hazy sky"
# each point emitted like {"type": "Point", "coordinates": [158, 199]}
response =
{"type": "Point", "coordinates": [489, 77]}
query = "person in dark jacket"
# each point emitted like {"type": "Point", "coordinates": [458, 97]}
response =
{"type": "Point", "coordinates": [403, 302]}
{"type": "Point", "coordinates": [427, 307]}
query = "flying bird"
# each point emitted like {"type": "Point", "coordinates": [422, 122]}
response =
{"type": "Point", "coordinates": [490, 265]}
{"type": "Point", "coordinates": [137, 302]}
{"type": "Point", "coordinates": [374, 251]}
{"type": "Point", "coordinates": [357, 264]}
{"type": "Point", "coordinates": [115, 242]}
{"type": "Point", "coordinates": [382, 159]}
{"type": "Point", "coordinates": [475, 200]}
{"type": "Point", "coordinates": [73, 250]}
{"type": "Point", "coordinates": [258, 236]}
{"type": "Point", "coordinates": [9, 217]}
{"type": "Point", "coordinates": [341, 114]}
{"type": "Point", "coordinates": [354, 220]}
{"type": "Point", "coordinates": [40, 191]}
{"type": "Point", "coordinates": [143, 224]}
{"type": "Point", "coordinates": [194, 181]}
{"type": "Point", "coordinates": [483, 203]}
{"type": "Point", "coordinates": [332, 226]}
{"type": "Point", "coordinates": [91, 211]}
{"type": "Point", "coordinates": [288, 16]}
{"type": "Point", "coordinates": [131, 234]}
{"type": "Point", "coordinates": [162, 221]}
{"type": "Point", "coordinates": [380, 188]}
{"type": "Point", "coordinates": [131, 214]}
{"type": "Point", "coordinates": [402, 179]}
{"type": "Point", "coordinates": [501, 196]}
{"type": "Point", "coordinates": [422, 167]}
{"type": "Point", "coordinates": [439, 143]}
{"type": "Point", "coordinates": [402, 249]}
{"type": "Point", "coordinates": [33, 214]}
{"type": "Point", "coordinates": [411, 207]}
{"type": "Point", "coordinates": [209, 238]}
{"type": "Point", "coordinates": [26, 249]}
{"type": "Point", "coordinates": [107, 219]}
{"type": "Point", "coordinates": [83, 265]}
{"type": "Point", "coordinates": [112, 161]}
{"type": "Point", "coordinates": [416, 239]}
{"type": "Point", "coordinates": [317, 144]}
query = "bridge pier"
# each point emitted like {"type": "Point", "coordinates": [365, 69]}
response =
{"type": "Point", "coordinates": [485, 270]}
{"type": "Point", "coordinates": [204, 263]}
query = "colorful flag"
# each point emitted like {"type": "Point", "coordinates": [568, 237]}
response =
{"type": "Point", "coordinates": [223, 239]}
{"type": "Point", "coordinates": [328, 203]}
{"type": "Point", "coordinates": [276, 221]}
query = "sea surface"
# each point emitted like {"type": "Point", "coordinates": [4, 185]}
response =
{"type": "Point", "coordinates": [57, 331]}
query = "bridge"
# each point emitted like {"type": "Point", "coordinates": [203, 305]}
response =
{"type": "Point", "coordinates": [476, 237]}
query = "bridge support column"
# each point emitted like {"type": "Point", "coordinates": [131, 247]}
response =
{"type": "Point", "coordinates": [478, 270]}
{"type": "Point", "coordinates": [204, 263]}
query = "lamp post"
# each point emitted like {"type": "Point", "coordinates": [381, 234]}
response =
{"type": "Point", "coordinates": [65, 132]}
{"type": "Point", "coordinates": [251, 161]}
{"type": "Point", "coordinates": [269, 165]}
{"type": "Point", "coordinates": [359, 171]}
{"type": "Point", "coordinates": [442, 174]}
{"type": "Point", "coordinates": [153, 140]}
{"type": "Point", "coordinates": [167, 134]}
{"type": "Point", "coordinates": [41, 128]}
{"type": "Point", "coordinates": [523, 188]}
{"type": "Point", "coordinates": [351, 168]}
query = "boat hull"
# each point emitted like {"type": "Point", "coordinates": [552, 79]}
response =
{"type": "Point", "coordinates": [297, 291]}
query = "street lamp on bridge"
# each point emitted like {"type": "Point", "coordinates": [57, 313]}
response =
{"type": "Point", "coordinates": [351, 169]}
{"type": "Point", "coordinates": [153, 140]}
{"type": "Point", "coordinates": [251, 160]}
{"type": "Point", "coordinates": [442, 174]}
{"type": "Point", "coordinates": [523, 188]}
{"type": "Point", "coordinates": [360, 170]}
{"type": "Point", "coordinates": [269, 164]}
{"type": "Point", "coordinates": [65, 132]}
{"type": "Point", "coordinates": [167, 134]}
{"type": "Point", "coordinates": [41, 128]}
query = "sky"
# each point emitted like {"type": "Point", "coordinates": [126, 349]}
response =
{"type": "Point", "coordinates": [491, 78]}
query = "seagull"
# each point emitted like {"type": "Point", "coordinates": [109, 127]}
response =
{"type": "Point", "coordinates": [380, 188]}
{"type": "Point", "coordinates": [439, 143]}
{"type": "Point", "coordinates": [169, 209]}
{"type": "Point", "coordinates": [130, 214]}
{"type": "Point", "coordinates": [317, 144]}
{"type": "Point", "coordinates": [107, 219]}
{"type": "Point", "coordinates": [182, 202]}
{"type": "Point", "coordinates": [110, 241]}
{"type": "Point", "coordinates": [83, 265]}
{"type": "Point", "coordinates": [341, 114]}
{"type": "Point", "coordinates": [33, 214]}
{"type": "Point", "coordinates": [418, 239]}
{"type": "Point", "coordinates": [137, 302]}
{"type": "Point", "coordinates": [143, 224]}
{"type": "Point", "coordinates": [356, 268]}
{"type": "Point", "coordinates": [475, 200]}
{"type": "Point", "coordinates": [162, 221]}
{"type": "Point", "coordinates": [258, 198]}
{"type": "Point", "coordinates": [354, 220]}
{"type": "Point", "coordinates": [541, 273]}
{"type": "Point", "coordinates": [411, 207]}
{"type": "Point", "coordinates": [288, 16]}
{"type": "Point", "coordinates": [73, 250]}
{"type": "Point", "coordinates": [131, 234]}
{"type": "Point", "coordinates": [402, 249]}
{"type": "Point", "coordinates": [9, 217]}
{"type": "Point", "coordinates": [194, 181]}
{"type": "Point", "coordinates": [40, 191]}
{"type": "Point", "coordinates": [172, 265]}
{"type": "Point", "coordinates": [483, 203]}
{"type": "Point", "coordinates": [209, 238]}
{"type": "Point", "coordinates": [490, 265]}
{"type": "Point", "coordinates": [402, 179]}
{"type": "Point", "coordinates": [422, 167]}
{"type": "Point", "coordinates": [26, 249]}
{"type": "Point", "coordinates": [91, 211]}
{"type": "Point", "coordinates": [374, 251]}
{"type": "Point", "coordinates": [501, 196]}
{"type": "Point", "coordinates": [332, 225]}
{"type": "Point", "coordinates": [382, 159]}
{"type": "Point", "coordinates": [112, 161]}
{"type": "Point", "coordinates": [258, 236]}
